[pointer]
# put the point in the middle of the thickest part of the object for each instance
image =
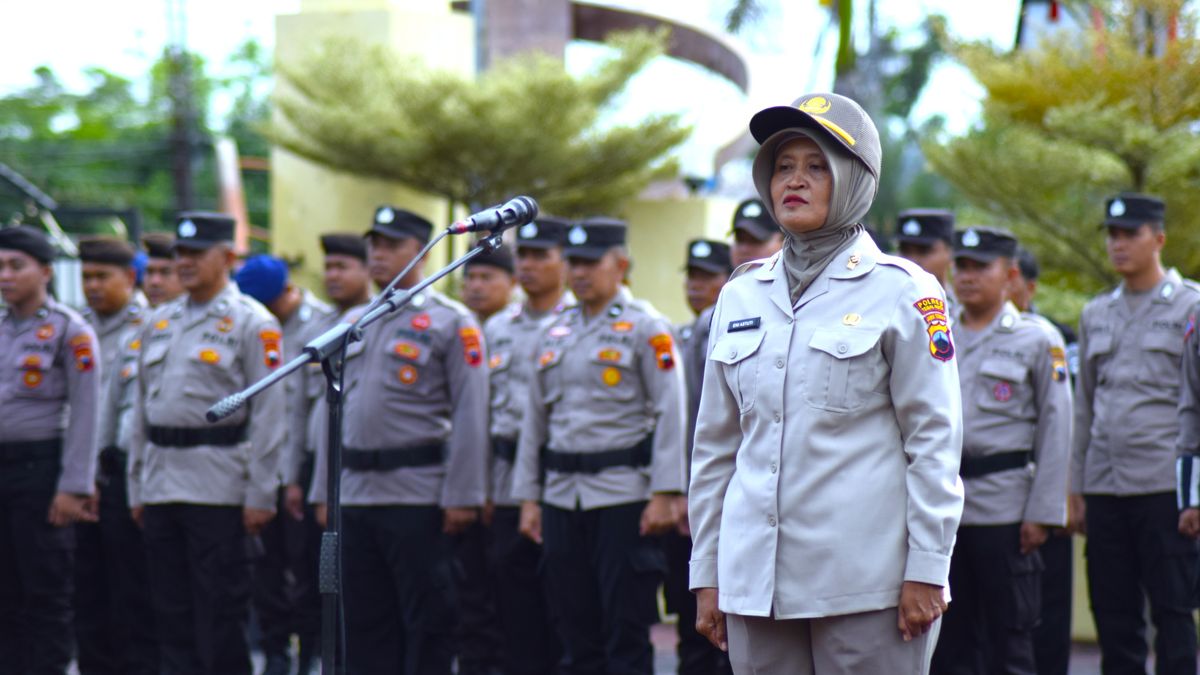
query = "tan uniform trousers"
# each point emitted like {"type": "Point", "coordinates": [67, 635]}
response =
{"type": "Point", "coordinates": [868, 643]}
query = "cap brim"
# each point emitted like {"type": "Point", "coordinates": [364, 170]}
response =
{"type": "Point", "coordinates": [714, 268]}
{"type": "Point", "coordinates": [1123, 223]}
{"type": "Point", "coordinates": [921, 241]}
{"type": "Point", "coordinates": [977, 256]}
{"type": "Point", "coordinates": [195, 244]}
{"type": "Point", "coordinates": [770, 121]}
{"type": "Point", "coordinates": [537, 243]}
{"type": "Point", "coordinates": [586, 252]}
{"type": "Point", "coordinates": [754, 229]}
{"type": "Point", "coordinates": [390, 233]}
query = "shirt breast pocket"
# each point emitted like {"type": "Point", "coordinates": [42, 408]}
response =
{"type": "Point", "coordinates": [1002, 386]}
{"type": "Point", "coordinates": [154, 358]}
{"type": "Point", "coordinates": [1096, 352]}
{"type": "Point", "coordinates": [408, 361]}
{"type": "Point", "coordinates": [499, 365]}
{"type": "Point", "coordinates": [214, 370]}
{"type": "Point", "coordinates": [549, 374]}
{"type": "Point", "coordinates": [613, 373]}
{"type": "Point", "coordinates": [36, 378]}
{"type": "Point", "coordinates": [841, 369]}
{"type": "Point", "coordinates": [738, 355]}
{"type": "Point", "coordinates": [1161, 360]}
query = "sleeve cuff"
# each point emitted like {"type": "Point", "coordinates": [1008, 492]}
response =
{"type": "Point", "coordinates": [259, 500]}
{"type": "Point", "coordinates": [702, 573]}
{"type": "Point", "coordinates": [927, 567]}
{"type": "Point", "coordinates": [527, 493]}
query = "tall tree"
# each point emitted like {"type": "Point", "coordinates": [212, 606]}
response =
{"type": "Point", "coordinates": [1078, 118]}
{"type": "Point", "coordinates": [524, 125]}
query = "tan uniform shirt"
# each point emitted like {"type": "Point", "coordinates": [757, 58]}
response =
{"type": "Point", "coordinates": [512, 339]}
{"type": "Point", "coordinates": [114, 333]}
{"type": "Point", "coordinates": [417, 378]}
{"type": "Point", "coordinates": [51, 387]}
{"type": "Point", "coordinates": [189, 358]}
{"type": "Point", "coordinates": [310, 319]}
{"type": "Point", "coordinates": [1016, 398]}
{"type": "Point", "coordinates": [825, 467]}
{"type": "Point", "coordinates": [604, 383]}
{"type": "Point", "coordinates": [1128, 390]}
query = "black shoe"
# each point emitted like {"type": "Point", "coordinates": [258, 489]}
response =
{"type": "Point", "coordinates": [278, 664]}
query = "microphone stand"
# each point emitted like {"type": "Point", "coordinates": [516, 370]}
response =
{"type": "Point", "coordinates": [330, 350]}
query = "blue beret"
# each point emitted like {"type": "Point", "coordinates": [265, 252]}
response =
{"type": "Point", "coordinates": [262, 277]}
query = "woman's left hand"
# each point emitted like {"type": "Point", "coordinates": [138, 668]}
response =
{"type": "Point", "coordinates": [920, 605]}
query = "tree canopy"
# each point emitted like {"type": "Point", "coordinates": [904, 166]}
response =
{"type": "Point", "coordinates": [524, 125]}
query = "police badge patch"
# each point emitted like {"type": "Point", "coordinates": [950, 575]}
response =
{"type": "Point", "coordinates": [933, 310]}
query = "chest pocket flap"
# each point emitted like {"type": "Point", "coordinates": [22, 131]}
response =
{"type": "Point", "coordinates": [732, 348]}
{"type": "Point", "coordinates": [619, 356]}
{"type": "Point", "coordinates": [1163, 341]}
{"type": "Point", "coordinates": [1099, 344]}
{"type": "Point", "coordinates": [844, 343]}
{"type": "Point", "coordinates": [409, 351]}
{"type": "Point", "coordinates": [1004, 369]}
{"type": "Point", "coordinates": [156, 351]}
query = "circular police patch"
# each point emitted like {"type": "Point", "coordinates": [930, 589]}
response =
{"type": "Point", "coordinates": [1002, 392]}
{"type": "Point", "coordinates": [701, 249]}
{"type": "Point", "coordinates": [611, 376]}
{"type": "Point", "coordinates": [577, 235]}
{"type": "Point", "coordinates": [752, 210]}
{"type": "Point", "coordinates": [187, 229]}
{"type": "Point", "coordinates": [407, 375]}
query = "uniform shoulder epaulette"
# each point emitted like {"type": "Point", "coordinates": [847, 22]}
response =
{"type": "Point", "coordinates": [913, 269]}
{"type": "Point", "coordinates": [450, 303]}
{"type": "Point", "coordinates": [255, 306]}
{"type": "Point", "coordinates": [66, 311]}
{"type": "Point", "coordinates": [750, 266]}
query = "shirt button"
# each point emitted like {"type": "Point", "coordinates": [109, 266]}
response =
{"type": "Point", "coordinates": [778, 417]}
{"type": "Point", "coordinates": [771, 521]}
{"type": "Point", "coordinates": [842, 349]}
{"type": "Point", "coordinates": [779, 363]}
{"type": "Point", "coordinates": [774, 467]}
{"type": "Point", "coordinates": [732, 353]}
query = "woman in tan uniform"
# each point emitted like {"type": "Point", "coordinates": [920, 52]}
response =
{"type": "Point", "coordinates": [824, 492]}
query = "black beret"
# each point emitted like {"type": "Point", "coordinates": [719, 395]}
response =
{"type": "Point", "coordinates": [710, 256]}
{"type": "Point", "coordinates": [925, 226]}
{"type": "Point", "coordinates": [106, 251]}
{"type": "Point", "coordinates": [400, 224]}
{"type": "Point", "coordinates": [984, 244]}
{"type": "Point", "coordinates": [159, 244]}
{"type": "Point", "coordinates": [344, 243]}
{"type": "Point", "coordinates": [593, 237]}
{"type": "Point", "coordinates": [545, 232]}
{"type": "Point", "coordinates": [1130, 211]}
{"type": "Point", "coordinates": [203, 229]}
{"type": "Point", "coordinates": [1028, 264]}
{"type": "Point", "coordinates": [30, 241]}
{"type": "Point", "coordinates": [501, 257]}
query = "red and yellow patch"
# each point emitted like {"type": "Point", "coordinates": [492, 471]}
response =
{"type": "Point", "coordinates": [545, 359]}
{"type": "Point", "coordinates": [407, 350]}
{"type": "Point", "coordinates": [421, 322]}
{"type": "Point", "coordinates": [933, 310]}
{"type": "Point", "coordinates": [271, 347]}
{"type": "Point", "coordinates": [45, 331]}
{"type": "Point", "coordinates": [31, 378]}
{"type": "Point", "coordinates": [495, 361]}
{"type": "Point", "coordinates": [135, 345]}
{"type": "Point", "coordinates": [622, 326]}
{"type": "Point", "coordinates": [33, 361]}
{"type": "Point", "coordinates": [126, 372]}
{"type": "Point", "coordinates": [210, 356]}
{"type": "Point", "coordinates": [407, 375]}
{"type": "Point", "coordinates": [1058, 358]}
{"type": "Point", "coordinates": [225, 324]}
{"type": "Point", "coordinates": [609, 355]}
{"type": "Point", "coordinates": [611, 376]}
{"type": "Point", "coordinates": [472, 346]}
{"type": "Point", "coordinates": [84, 359]}
{"type": "Point", "coordinates": [161, 324]}
{"type": "Point", "coordinates": [664, 356]}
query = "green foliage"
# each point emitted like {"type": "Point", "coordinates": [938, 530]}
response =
{"type": "Point", "coordinates": [524, 125]}
{"type": "Point", "coordinates": [1075, 120]}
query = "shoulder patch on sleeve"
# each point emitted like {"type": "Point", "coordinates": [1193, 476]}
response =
{"type": "Point", "coordinates": [472, 346]}
{"type": "Point", "coordinates": [933, 311]}
{"type": "Point", "coordinates": [272, 353]}
{"type": "Point", "coordinates": [663, 345]}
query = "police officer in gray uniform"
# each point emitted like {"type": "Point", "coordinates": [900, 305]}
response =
{"type": "Point", "coordinates": [414, 464]}
{"type": "Point", "coordinates": [1016, 432]}
{"type": "Point", "coordinates": [755, 235]}
{"type": "Point", "coordinates": [1131, 341]}
{"type": "Point", "coordinates": [47, 457]}
{"type": "Point", "coordinates": [113, 621]}
{"type": "Point", "coordinates": [926, 237]}
{"type": "Point", "coordinates": [199, 489]}
{"type": "Point", "coordinates": [303, 317]}
{"type": "Point", "coordinates": [605, 426]}
{"type": "Point", "coordinates": [159, 281]}
{"type": "Point", "coordinates": [529, 644]}
{"type": "Point", "coordinates": [708, 268]}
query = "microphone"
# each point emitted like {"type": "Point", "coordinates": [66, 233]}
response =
{"type": "Point", "coordinates": [517, 211]}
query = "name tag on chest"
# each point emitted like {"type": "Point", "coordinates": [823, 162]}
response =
{"type": "Point", "coordinates": [744, 324]}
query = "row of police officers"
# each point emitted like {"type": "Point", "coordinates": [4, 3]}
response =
{"type": "Point", "coordinates": [514, 473]}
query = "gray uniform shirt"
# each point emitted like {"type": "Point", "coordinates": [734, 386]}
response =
{"type": "Point", "coordinates": [310, 319]}
{"type": "Point", "coordinates": [512, 339]}
{"type": "Point", "coordinates": [114, 333]}
{"type": "Point", "coordinates": [51, 387]}
{"type": "Point", "coordinates": [417, 378]}
{"type": "Point", "coordinates": [1128, 390]}
{"type": "Point", "coordinates": [190, 357]}
{"type": "Point", "coordinates": [693, 344]}
{"type": "Point", "coordinates": [1016, 397]}
{"type": "Point", "coordinates": [604, 383]}
{"type": "Point", "coordinates": [825, 466]}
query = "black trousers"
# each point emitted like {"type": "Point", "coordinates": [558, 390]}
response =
{"type": "Point", "coordinates": [399, 592]}
{"type": "Point", "coordinates": [479, 645]}
{"type": "Point", "coordinates": [303, 541]}
{"type": "Point", "coordinates": [1052, 636]}
{"type": "Point", "coordinates": [36, 578]}
{"type": "Point", "coordinates": [200, 586]}
{"type": "Point", "coordinates": [530, 642]}
{"type": "Point", "coordinates": [114, 622]}
{"type": "Point", "coordinates": [697, 656]}
{"type": "Point", "coordinates": [287, 599]}
{"type": "Point", "coordinates": [603, 580]}
{"type": "Point", "coordinates": [1134, 552]}
{"type": "Point", "coordinates": [995, 603]}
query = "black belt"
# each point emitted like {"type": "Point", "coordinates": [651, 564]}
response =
{"type": "Point", "coordinates": [393, 458]}
{"type": "Point", "coordinates": [595, 462]}
{"type": "Point", "coordinates": [30, 451]}
{"type": "Point", "coordinates": [974, 467]}
{"type": "Point", "coordinates": [505, 448]}
{"type": "Point", "coordinates": [188, 437]}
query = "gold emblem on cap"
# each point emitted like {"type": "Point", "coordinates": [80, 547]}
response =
{"type": "Point", "coordinates": [851, 319]}
{"type": "Point", "coordinates": [817, 105]}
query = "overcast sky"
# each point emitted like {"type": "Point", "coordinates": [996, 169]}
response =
{"type": "Point", "coordinates": [125, 36]}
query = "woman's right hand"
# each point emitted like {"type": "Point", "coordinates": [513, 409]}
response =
{"type": "Point", "coordinates": [710, 620]}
